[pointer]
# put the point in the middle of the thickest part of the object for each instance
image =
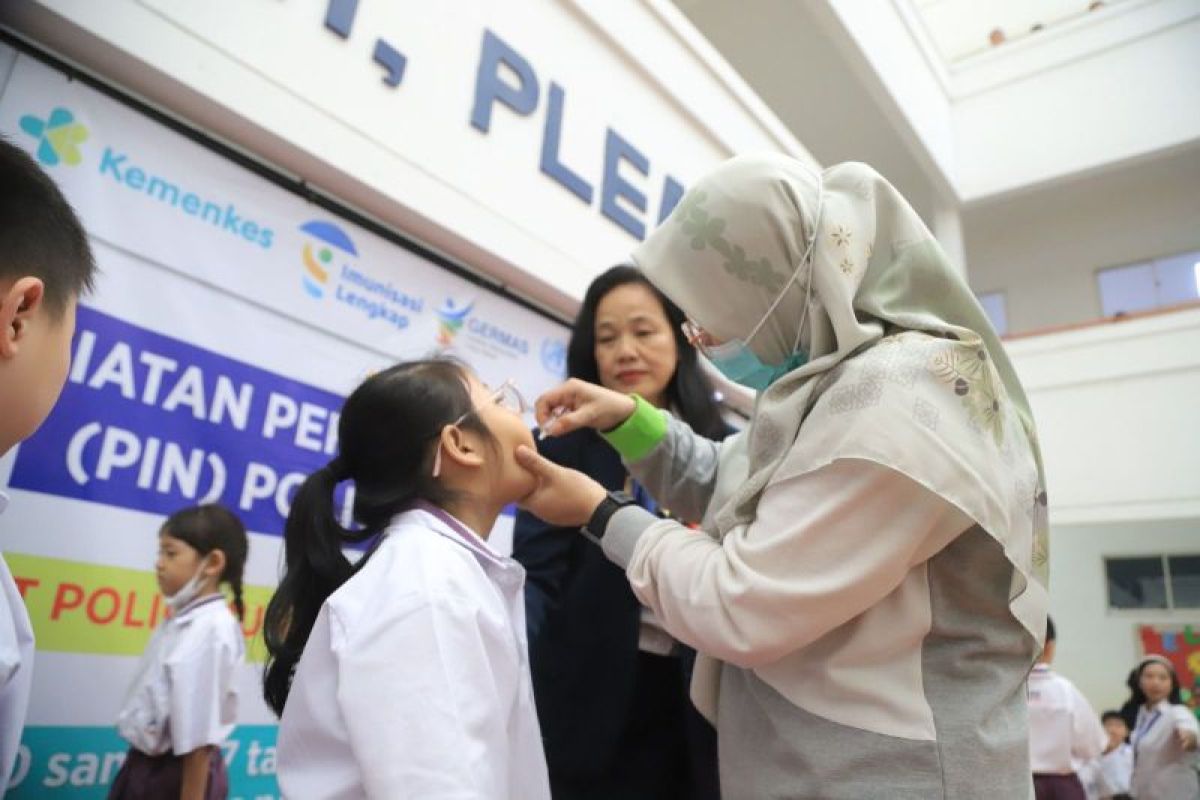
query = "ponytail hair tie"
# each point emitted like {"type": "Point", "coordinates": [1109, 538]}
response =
{"type": "Point", "coordinates": [337, 468]}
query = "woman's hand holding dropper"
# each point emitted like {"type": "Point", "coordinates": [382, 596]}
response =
{"type": "Point", "coordinates": [565, 496]}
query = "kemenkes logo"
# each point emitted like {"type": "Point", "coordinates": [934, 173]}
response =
{"type": "Point", "coordinates": [451, 317]}
{"type": "Point", "coordinates": [58, 135]}
{"type": "Point", "coordinates": [318, 254]}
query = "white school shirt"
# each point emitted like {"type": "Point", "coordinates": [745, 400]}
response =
{"type": "Point", "coordinates": [415, 679]}
{"type": "Point", "coordinates": [1063, 728]}
{"type": "Point", "coordinates": [1108, 775]}
{"type": "Point", "coordinates": [183, 695]}
{"type": "Point", "coordinates": [1161, 768]}
{"type": "Point", "coordinates": [16, 666]}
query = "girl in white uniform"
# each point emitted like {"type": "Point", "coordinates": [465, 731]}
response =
{"type": "Point", "coordinates": [1164, 738]}
{"type": "Point", "coordinates": [406, 674]}
{"type": "Point", "coordinates": [182, 704]}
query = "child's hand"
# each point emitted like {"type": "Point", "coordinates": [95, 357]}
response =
{"type": "Point", "coordinates": [563, 496]}
{"type": "Point", "coordinates": [1187, 739]}
{"type": "Point", "coordinates": [578, 404]}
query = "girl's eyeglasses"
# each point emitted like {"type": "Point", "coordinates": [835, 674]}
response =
{"type": "Point", "coordinates": [508, 397]}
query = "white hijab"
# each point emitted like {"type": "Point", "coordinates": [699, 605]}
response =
{"type": "Point", "coordinates": [897, 343]}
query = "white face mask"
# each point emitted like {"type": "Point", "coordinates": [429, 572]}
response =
{"type": "Point", "coordinates": [187, 593]}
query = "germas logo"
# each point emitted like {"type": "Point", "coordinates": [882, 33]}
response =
{"type": "Point", "coordinates": [318, 254]}
{"type": "Point", "coordinates": [59, 137]}
{"type": "Point", "coordinates": [450, 320]}
{"type": "Point", "coordinates": [329, 257]}
{"type": "Point", "coordinates": [482, 336]}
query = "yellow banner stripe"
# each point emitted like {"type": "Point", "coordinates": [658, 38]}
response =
{"type": "Point", "coordinates": [78, 607]}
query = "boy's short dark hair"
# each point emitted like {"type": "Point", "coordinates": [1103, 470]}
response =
{"type": "Point", "coordinates": [39, 232]}
{"type": "Point", "coordinates": [1107, 715]}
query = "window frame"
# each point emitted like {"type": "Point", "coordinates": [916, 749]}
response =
{"type": "Point", "coordinates": [1153, 262]}
{"type": "Point", "coordinates": [1168, 589]}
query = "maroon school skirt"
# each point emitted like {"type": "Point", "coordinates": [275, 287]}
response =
{"type": "Point", "coordinates": [1058, 787]}
{"type": "Point", "coordinates": [144, 777]}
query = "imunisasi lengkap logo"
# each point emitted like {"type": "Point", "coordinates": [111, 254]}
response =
{"type": "Point", "coordinates": [58, 136]}
{"type": "Point", "coordinates": [324, 238]}
{"type": "Point", "coordinates": [331, 267]}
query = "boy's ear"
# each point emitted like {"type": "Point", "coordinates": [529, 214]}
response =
{"type": "Point", "coordinates": [18, 303]}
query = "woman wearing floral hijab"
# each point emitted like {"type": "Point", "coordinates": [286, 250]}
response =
{"type": "Point", "coordinates": [868, 593]}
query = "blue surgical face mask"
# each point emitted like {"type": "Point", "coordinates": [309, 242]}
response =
{"type": "Point", "coordinates": [736, 361]}
{"type": "Point", "coordinates": [734, 358]}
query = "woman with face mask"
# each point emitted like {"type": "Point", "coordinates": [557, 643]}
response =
{"type": "Point", "coordinates": [870, 595]}
{"type": "Point", "coordinates": [182, 703]}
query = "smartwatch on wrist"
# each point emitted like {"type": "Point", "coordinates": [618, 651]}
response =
{"type": "Point", "coordinates": [611, 504]}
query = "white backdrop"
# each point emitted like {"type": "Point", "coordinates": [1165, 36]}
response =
{"type": "Point", "coordinates": [231, 318]}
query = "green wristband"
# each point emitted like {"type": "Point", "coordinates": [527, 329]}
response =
{"type": "Point", "coordinates": [640, 433]}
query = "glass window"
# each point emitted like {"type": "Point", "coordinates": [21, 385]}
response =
{"type": "Point", "coordinates": [996, 309]}
{"type": "Point", "coordinates": [1124, 290]}
{"type": "Point", "coordinates": [1177, 278]}
{"type": "Point", "coordinates": [1185, 581]}
{"type": "Point", "coordinates": [1141, 287]}
{"type": "Point", "coordinates": [1136, 582]}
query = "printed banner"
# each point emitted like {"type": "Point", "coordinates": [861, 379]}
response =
{"type": "Point", "coordinates": [76, 607]}
{"type": "Point", "coordinates": [82, 762]}
{"type": "Point", "coordinates": [152, 423]}
{"type": "Point", "coordinates": [230, 319]}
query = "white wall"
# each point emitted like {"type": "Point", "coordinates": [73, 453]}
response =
{"type": "Point", "coordinates": [272, 79]}
{"type": "Point", "coordinates": [913, 81]}
{"type": "Point", "coordinates": [1090, 92]}
{"type": "Point", "coordinates": [1097, 646]}
{"type": "Point", "coordinates": [1042, 249]}
{"type": "Point", "coordinates": [1115, 406]}
{"type": "Point", "coordinates": [1118, 103]}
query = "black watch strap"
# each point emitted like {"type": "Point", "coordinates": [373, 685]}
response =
{"type": "Point", "coordinates": [611, 504]}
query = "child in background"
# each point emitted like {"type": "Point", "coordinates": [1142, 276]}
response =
{"type": "Point", "coordinates": [1063, 730]}
{"type": "Point", "coordinates": [1164, 738]}
{"type": "Point", "coordinates": [182, 703]}
{"type": "Point", "coordinates": [1108, 777]}
{"type": "Point", "coordinates": [45, 265]}
{"type": "Point", "coordinates": [406, 675]}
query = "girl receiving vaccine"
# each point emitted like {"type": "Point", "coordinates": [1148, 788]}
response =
{"type": "Point", "coordinates": [182, 703]}
{"type": "Point", "coordinates": [405, 674]}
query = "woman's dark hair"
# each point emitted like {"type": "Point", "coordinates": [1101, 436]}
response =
{"type": "Point", "coordinates": [688, 391]}
{"type": "Point", "coordinates": [386, 432]}
{"type": "Point", "coordinates": [213, 527]}
{"type": "Point", "coordinates": [1135, 683]}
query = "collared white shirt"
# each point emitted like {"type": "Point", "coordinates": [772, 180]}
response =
{"type": "Point", "coordinates": [1161, 768]}
{"type": "Point", "coordinates": [183, 696]}
{"type": "Point", "coordinates": [1063, 728]}
{"type": "Point", "coordinates": [415, 680]}
{"type": "Point", "coordinates": [1108, 775]}
{"type": "Point", "coordinates": [16, 666]}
